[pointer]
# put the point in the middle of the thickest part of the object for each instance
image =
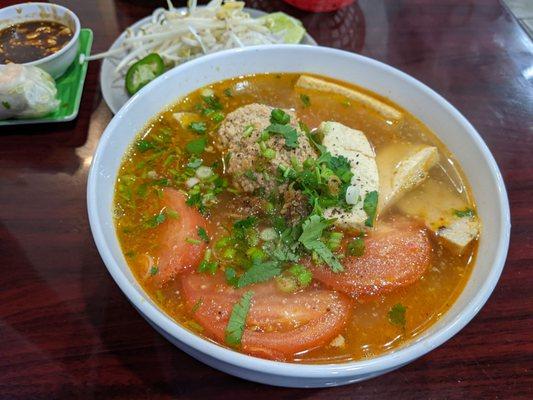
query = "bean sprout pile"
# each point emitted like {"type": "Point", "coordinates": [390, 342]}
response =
{"type": "Point", "coordinates": [179, 36]}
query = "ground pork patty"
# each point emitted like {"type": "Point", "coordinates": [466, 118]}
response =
{"type": "Point", "coordinates": [249, 169]}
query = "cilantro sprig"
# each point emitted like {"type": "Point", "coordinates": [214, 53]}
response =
{"type": "Point", "coordinates": [279, 121]}
{"type": "Point", "coordinates": [237, 320]}
{"type": "Point", "coordinates": [397, 314]}
{"type": "Point", "coordinates": [313, 228]}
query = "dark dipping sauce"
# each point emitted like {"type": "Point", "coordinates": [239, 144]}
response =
{"type": "Point", "coordinates": [32, 40]}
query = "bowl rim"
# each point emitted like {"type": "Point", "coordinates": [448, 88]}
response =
{"type": "Point", "coordinates": [382, 363]}
{"type": "Point", "coordinates": [73, 40]}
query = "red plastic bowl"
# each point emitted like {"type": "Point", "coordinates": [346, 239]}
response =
{"type": "Point", "coordinates": [319, 5]}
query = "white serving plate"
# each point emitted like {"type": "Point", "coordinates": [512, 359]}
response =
{"type": "Point", "coordinates": [112, 83]}
{"type": "Point", "coordinates": [439, 115]}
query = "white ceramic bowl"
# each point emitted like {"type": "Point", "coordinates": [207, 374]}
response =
{"type": "Point", "coordinates": [55, 64]}
{"type": "Point", "coordinates": [452, 128]}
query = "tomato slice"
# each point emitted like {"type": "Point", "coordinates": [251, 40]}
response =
{"type": "Point", "coordinates": [175, 254]}
{"type": "Point", "coordinates": [396, 254]}
{"type": "Point", "coordinates": [278, 325]}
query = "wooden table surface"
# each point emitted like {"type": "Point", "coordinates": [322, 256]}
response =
{"type": "Point", "coordinates": [66, 330]}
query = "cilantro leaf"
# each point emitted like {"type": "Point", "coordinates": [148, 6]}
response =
{"type": "Point", "coordinates": [237, 320]}
{"type": "Point", "coordinates": [250, 175]}
{"type": "Point", "coordinates": [310, 238]}
{"type": "Point", "coordinates": [467, 212]}
{"type": "Point", "coordinates": [153, 270]}
{"type": "Point", "coordinates": [156, 220]}
{"type": "Point", "coordinates": [212, 102]}
{"type": "Point", "coordinates": [370, 206]}
{"type": "Point", "coordinates": [144, 145]}
{"type": "Point", "coordinates": [245, 223]}
{"type": "Point", "coordinates": [312, 229]}
{"type": "Point", "coordinates": [202, 234]}
{"type": "Point", "coordinates": [196, 146]}
{"type": "Point", "coordinates": [288, 132]}
{"type": "Point", "coordinates": [397, 314]}
{"type": "Point", "coordinates": [231, 276]}
{"type": "Point", "coordinates": [259, 272]}
{"type": "Point", "coordinates": [325, 254]}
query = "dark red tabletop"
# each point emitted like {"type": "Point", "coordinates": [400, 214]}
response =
{"type": "Point", "coordinates": [66, 330]}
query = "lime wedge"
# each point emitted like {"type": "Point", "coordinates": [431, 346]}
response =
{"type": "Point", "coordinates": [292, 29]}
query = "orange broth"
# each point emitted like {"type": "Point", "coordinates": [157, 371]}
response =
{"type": "Point", "coordinates": [369, 332]}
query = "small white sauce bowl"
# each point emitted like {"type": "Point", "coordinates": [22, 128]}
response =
{"type": "Point", "coordinates": [439, 115]}
{"type": "Point", "coordinates": [55, 64]}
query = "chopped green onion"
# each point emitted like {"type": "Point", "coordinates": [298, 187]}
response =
{"type": "Point", "coordinates": [334, 240]}
{"type": "Point", "coordinates": [229, 253]}
{"type": "Point", "coordinates": [278, 116]}
{"type": "Point", "coordinates": [269, 154]}
{"type": "Point", "coordinates": [248, 131]}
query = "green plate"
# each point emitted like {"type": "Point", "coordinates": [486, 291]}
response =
{"type": "Point", "coordinates": [69, 88]}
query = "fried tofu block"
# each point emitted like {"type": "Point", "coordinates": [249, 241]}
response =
{"type": "Point", "coordinates": [402, 167]}
{"type": "Point", "coordinates": [312, 83]}
{"type": "Point", "coordinates": [341, 140]}
{"type": "Point", "coordinates": [444, 213]}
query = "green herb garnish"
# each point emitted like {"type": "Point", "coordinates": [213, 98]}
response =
{"type": "Point", "coordinates": [302, 274]}
{"type": "Point", "coordinates": [356, 247]}
{"type": "Point", "coordinates": [310, 238]}
{"type": "Point", "coordinates": [156, 220]}
{"type": "Point", "coordinates": [397, 314]}
{"type": "Point", "coordinates": [370, 206]}
{"type": "Point", "coordinates": [248, 131]}
{"type": "Point", "coordinates": [467, 212]}
{"type": "Point", "coordinates": [212, 102]}
{"type": "Point", "coordinates": [197, 305]}
{"type": "Point", "coordinates": [306, 101]}
{"type": "Point", "coordinates": [278, 116]}
{"type": "Point", "coordinates": [259, 272]}
{"type": "Point", "coordinates": [153, 270]}
{"type": "Point", "coordinates": [250, 175]}
{"type": "Point", "coordinates": [237, 319]}
{"type": "Point", "coordinates": [144, 145]}
{"type": "Point", "coordinates": [288, 132]}
{"type": "Point", "coordinates": [202, 234]}
{"type": "Point", "coordinates": [304, 128]}
{"type": "Point", "coordinates": [6, 105]}
{"type": "Point", "coordinates": [196, 146]}
{"type": "Point", "coordinates": [194, 163]}
{"type": "Point", "coordinates": [198, 127]}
